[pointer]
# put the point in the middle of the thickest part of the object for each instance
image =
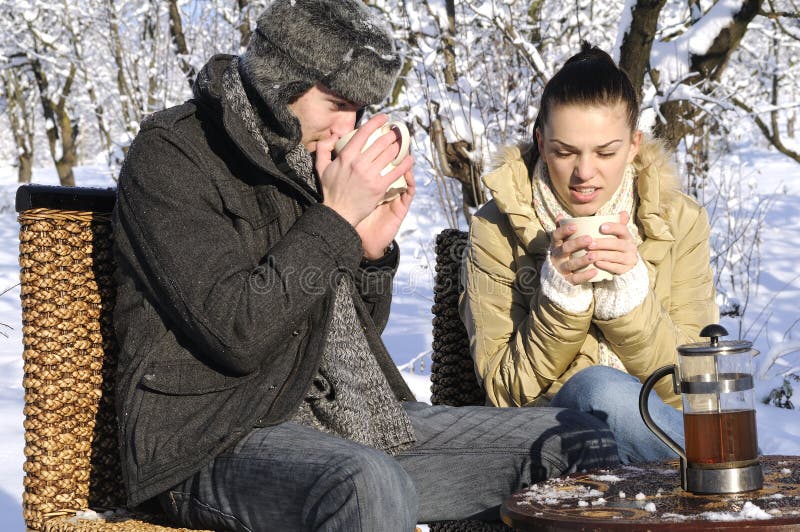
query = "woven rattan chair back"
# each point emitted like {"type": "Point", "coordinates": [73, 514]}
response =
{"type": "Point", "coordinates": [453, 380]}
{"type": "Point", "coordinates": [67, 292]}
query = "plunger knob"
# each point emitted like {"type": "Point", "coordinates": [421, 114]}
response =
{"type": "Point", "coordinates": [713, 331]}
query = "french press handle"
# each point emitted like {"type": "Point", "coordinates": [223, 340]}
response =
{"type": "Point", "coordinates": [644, 394]}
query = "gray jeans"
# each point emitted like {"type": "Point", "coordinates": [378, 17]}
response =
{"type": "Point", "coordinates": [466, 460]}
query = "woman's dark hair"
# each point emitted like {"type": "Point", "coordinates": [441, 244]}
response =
{"type": "Point", "coordinates": [589, 77]}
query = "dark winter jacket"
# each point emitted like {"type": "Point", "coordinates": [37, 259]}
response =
{"type": "Point", "coordinates": [226, 271]}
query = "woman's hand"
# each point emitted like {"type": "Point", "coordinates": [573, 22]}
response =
{"type": "Point", "coordinates": [561, 250]}
{"type": "Point", "coordinates": [614, 255]}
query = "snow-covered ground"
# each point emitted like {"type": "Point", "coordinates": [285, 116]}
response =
{"type": "Point", "coordinates": [770, 321]}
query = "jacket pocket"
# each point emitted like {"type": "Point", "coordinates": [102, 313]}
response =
{"type": "Point", "coordinates": [185, 411]}
{"type": "Point", "coordinates": [189, 379]}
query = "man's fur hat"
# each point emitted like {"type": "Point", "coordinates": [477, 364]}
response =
{"type": "Point", "coordinates": [338, 43]}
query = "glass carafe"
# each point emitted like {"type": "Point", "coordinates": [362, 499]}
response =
{"type": "Point", "coordinates": [715, 380]}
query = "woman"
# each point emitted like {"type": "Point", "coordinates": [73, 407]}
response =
{"type": "Point", "coordinates": [539, 332]}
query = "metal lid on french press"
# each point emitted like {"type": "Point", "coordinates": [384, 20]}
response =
{"type": "Point", "coordinates": [714, 346]}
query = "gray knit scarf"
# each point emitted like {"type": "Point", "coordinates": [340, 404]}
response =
{"type": "Point", "coordinates": [296, 155]}
{"type": "Point", "coordinates": [349, 396]}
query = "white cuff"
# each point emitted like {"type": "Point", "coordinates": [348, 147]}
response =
{"type": "Point", "coordinates": [622, 294]}
{"type": "Point", "coordinates": [575, 299]}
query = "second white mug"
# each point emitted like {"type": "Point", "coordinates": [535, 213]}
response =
{"type": "Point", "coordinates": [590, 225]}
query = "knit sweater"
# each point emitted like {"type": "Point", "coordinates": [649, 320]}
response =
{"type": "Point", "coordinates": [349, 396]}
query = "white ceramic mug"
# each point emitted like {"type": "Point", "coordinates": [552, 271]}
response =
{"type": "Point", "coordinates": [399, 185]}
{"type": "Point", "coordinates": [590, 226]}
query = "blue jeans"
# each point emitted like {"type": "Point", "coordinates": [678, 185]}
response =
{"type": "Point", "coordinates": [465, 461]}
{"type": "Point", "coordinates": [613, 396]}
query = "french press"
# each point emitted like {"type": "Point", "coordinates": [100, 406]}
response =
{"type": "Point", "coordinates": [715, 380]}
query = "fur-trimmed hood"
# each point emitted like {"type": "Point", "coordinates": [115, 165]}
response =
{"type": "Point", "coordinates": [656, 186]}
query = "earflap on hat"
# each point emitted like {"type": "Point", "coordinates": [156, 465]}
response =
{"type": "Point", "coordinates": [270, 97]}
{"type": "Point", "coordinates": [272, 73]}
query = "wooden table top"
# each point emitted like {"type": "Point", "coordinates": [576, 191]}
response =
{"type": "Point", "coordinates": [649, 497]}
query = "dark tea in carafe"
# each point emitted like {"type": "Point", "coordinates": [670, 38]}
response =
{"type": "Point", "coordinates": [721, 437]}
{"type": "Point", "coordinates": [715, 381]}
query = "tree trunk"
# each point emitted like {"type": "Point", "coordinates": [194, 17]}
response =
{"type": "Point", "coordinates": [59, 125]}
{"type": "Point", "coordinates": [130, 113]}
{"type": "Point", "coordinates": [634, 54]}
{"type": "Point", "coordinates": [454, 158]}
{"type": "Point", "coordinates": [534, 14]}
{"type": "Point", "coordinates": [99, 113]}
{"type": "Point", "coordinates": [244, 25]}
{"type": "Point", "coordinates": [21, 122]}
{"type": "Point", "coordinates": [449, 40]}
{"type": "Point", "coordinates": [25, 168]}
{"type": "Point", "coordinates": [69, 146]}
{"type": "Point", "coordinates": [150, 32]}
{"type": "Point", "coordinates": [179, 40]}
{"type": "Point", "coordinates": [708, 66]}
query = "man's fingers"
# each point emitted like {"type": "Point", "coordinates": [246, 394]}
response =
{"type": "Point", "coordinates": [322, 155]}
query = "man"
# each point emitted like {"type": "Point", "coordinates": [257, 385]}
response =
{"type": "Point", "coordinates": [254, 280]}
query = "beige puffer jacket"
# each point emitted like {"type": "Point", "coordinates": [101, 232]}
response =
{"type": "Point", "coordinates": [523, 345]}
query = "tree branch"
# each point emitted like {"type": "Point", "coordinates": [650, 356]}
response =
{"type": "Point", "coordinates": [707, 66]}
{"type": "Point", "coordinates": [777, 20]}
{"type": "Point", "coordinates": [711, 64]}
{"type": "Point", "coordinates": [772, 136]}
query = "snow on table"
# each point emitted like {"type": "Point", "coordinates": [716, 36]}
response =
{"type": "Point", "coordinates": [598, 499]}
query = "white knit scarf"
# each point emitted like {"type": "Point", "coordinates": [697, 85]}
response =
{"type": "Point", "coordinates": [548, 206]}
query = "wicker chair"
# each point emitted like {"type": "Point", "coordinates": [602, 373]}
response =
{"type": "Point", "coordinates": [71, 461]}
{"type": "Point", "coordinates": [67, 291]}
{"type": "Point", "coordinates": [453, 380]}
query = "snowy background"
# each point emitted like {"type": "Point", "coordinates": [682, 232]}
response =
{"type": "Point", "coordinates": [475, 71]}
{"type": "Point", "coordinates": [774, 308]}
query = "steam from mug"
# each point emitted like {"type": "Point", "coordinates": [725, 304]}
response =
{"type": "Point", "coordinates": [399, 185]}
{"type": "Point", "coordinates": [590, 225]}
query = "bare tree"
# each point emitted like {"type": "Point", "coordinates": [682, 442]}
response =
{"type": "Point", "coordinates": [771, 130]}
{"type": "Point", "coordinates": [76, 30]}
{"type": "Point", "coordinates": [130, 106]}
{"type": "Point", "coordinates": [61, 124]}
{"type": "Point", "coordinates": [179, 41]}
{"type": "Point", "coordinates": [474, 94]}
{"type": "Point", "coordinates": [18, 89]}
{"type": "Point", "coordinates": [707, 66]}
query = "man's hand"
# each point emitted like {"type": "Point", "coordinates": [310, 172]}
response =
{"type": "Point", "coordinates": [352, 185]}
{"type": "Point", "coordinates": [379, 228]}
